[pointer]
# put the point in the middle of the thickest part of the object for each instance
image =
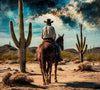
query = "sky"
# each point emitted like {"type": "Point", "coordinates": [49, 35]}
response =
{"type": "Point", "coordinates": [66, 14]}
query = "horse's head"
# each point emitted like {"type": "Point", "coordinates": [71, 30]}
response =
{"type": "Point", "coordinates": [60, 41]}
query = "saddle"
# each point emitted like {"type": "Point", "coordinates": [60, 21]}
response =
{"type": "Point", "coordinates": [49, 40]}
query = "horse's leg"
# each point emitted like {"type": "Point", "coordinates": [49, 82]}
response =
{"type": "Point", "coordinates": [50, 70]}
{"type": "Point", "coordinates": [56, 71]}
{"type": "Point", "coordinates": [47, 69]}
{"type": "Point", "coordinates": [41, 66]}
{"type": "Point", "coordinates": [44, 83]}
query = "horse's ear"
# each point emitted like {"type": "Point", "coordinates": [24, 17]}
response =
{"type": "Point", "coordinates": [63, 35]}
{"type": "Point", "coordinates": [58, 35]}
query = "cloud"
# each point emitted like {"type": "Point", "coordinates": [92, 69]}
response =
{"type": "Point", "coordinates": [72, 12]}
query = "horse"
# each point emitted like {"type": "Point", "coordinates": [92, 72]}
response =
{"type": "Point", "coordinates": [46, 55]}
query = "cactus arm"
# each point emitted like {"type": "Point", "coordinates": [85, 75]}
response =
{"type": "Point", "coordinates": [28, 41]}
{"type": "Point", "coordinates": [13, 34]}
{"type": "Point", "coordinates": [81, 39]}
{"type": "Point", "coordinates": [84, 42]}
{"type": "Point", "coordinates": [84, 50]}
{"type": "Point", "coordinates": [78, 39]}
{"type": "Point", "coordinates": [21, 21]}
{"type": "Point", "coordinates": [77, 47]}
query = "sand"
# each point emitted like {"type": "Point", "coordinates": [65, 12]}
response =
{"type": "Point", "coordinates": [68, 79]}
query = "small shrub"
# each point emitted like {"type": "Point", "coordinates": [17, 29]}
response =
{"type": "Point", "coordinates": [30, 56]}
{"type": "Point", "coordinates": [29, 59]}
{"type": "Point", "coordinates": [93, 57]}
{"type": "Point", "coordinates": [90, 57]}
{"type": "Point", "coordinates": [9, 56]}
{"type": "Point", "coordinates": [17, 78]}
{"type": "Point", "coordinates": [14, 57]}
{"type": "Point", "coordinates": [5, 79]}
{"type": "Point", "coordinates": [67, 55]}
{"type": "Point", "coordinates": [97, 57]}
{"type": "Point", "coordinates": [1, 58]}
{"type": "Point", "coordinates": [6, 56]}
{"type": "Point", "coordinates": [85, 66]}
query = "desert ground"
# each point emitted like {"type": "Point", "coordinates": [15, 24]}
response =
{"type": "Point", "coordinates": [68, 79]}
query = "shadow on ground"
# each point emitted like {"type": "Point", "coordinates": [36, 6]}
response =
{"type": "Point", "coordinates": [34, 86]}
{"type": "Point", "coordinates": [83, 85]}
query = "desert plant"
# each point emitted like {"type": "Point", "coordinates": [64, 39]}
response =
{"type": "Point", "coordinates": [81, 44]}
{"type": "Point", "coordinates": [97, 57]}
{"type": "Point", "coordinates": [1, 58]}
{"type": "Point", "coordinates": [22, 43]}
{"type": "Point", "coordinates": [92, 57]}
{"type": "Point", "coordinates": [6, 56]}
{"type": "Point", "coordinates": [16, 78]}
{"type": "Point", "coordinates": [30, 56]}
{"type": "Point", "coordinates": [67, 55]}
{"type": "Point", "coordinates": [5, 79]}
{"type": "Point", "coordinates": [85, 66]}
{"type": "Point", "coordinates": [14, 57]}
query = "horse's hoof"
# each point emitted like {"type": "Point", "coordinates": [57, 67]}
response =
{"type": "Point", "coordinates": [56, 81]}
{"type": "Point", "coordinates": [49, 81]}
{"type": "Point", "coordinates": [44, 83]}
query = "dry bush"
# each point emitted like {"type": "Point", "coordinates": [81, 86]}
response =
{"type": "Point", "coordinates": [93, 57]}
{"type": "Point", "coordinates": [85, 66]}
{"type": "Point", "coordinates": [1, 58]}
{"type": "Point", "coordinates": [5, 79]}
{"type": "Point", "coordinates": [17, 78]}
{"type": "Point", "coordinates": [76, 61]}
{"type": "Point", "coordinates": [90, 57]}
{"type": "Point", "coordinates": [8, 56]}
{"type": "Point", "coordinates": [30, 56]}
{"type": "Point", "coordinates": [67, 55]}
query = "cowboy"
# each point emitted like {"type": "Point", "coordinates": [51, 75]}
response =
{"type": "Point", "coordinates": [48, 33]}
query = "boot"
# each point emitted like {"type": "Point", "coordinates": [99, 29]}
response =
{"type": "Point", "coordinates": [59, 59]}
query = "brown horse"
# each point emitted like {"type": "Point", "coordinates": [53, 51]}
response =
{"type": "Point", "coordinates": [46, 55]}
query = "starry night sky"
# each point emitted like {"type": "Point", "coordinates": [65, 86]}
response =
{"type": "Point", "coordinates": [66, 14]}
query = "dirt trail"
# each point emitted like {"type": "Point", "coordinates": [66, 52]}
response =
{"type": "Point", "coordinates": [68, 79]}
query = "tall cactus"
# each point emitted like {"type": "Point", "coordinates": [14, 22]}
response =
{"type": "Point", "coordinates": [22, 43]}
{"type": "Point", "coordinates": [81, 44]}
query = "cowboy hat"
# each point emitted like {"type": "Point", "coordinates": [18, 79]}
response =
{"type": "Point", "coordinates": [48, 21]}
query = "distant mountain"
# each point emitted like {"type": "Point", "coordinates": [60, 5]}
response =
{"type": "Point", "coordinates": [7, 49]}
{"type": "Point", "coordinates": [71, 50]}
{"type": "Point", "coordinates": [12, 50]}
{"type": "Point", "coordinates": [31, 49]}
{"type": "Point", "coordinates": [94, 50]}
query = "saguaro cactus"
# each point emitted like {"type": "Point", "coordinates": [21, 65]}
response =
{"type": "Point", "coordinates": [81, 44]}
{"type": "Point", "coordinates": [22, 43]}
